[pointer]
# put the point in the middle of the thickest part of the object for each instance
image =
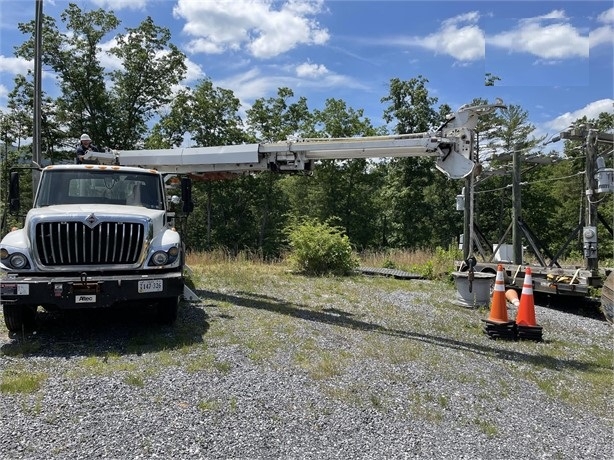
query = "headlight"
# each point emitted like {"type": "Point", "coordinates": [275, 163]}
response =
{"type": "Point", "coordinates": [159, 258]}
{"type": "Point", "coordinates": [18, 261]}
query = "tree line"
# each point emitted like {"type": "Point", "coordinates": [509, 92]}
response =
{"type": "Point", "coordinates": [395, 203]}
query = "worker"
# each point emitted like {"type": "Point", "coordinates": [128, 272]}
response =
{"type": "Point", "coordinates": [85, 146]}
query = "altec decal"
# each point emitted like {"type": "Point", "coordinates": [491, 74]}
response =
{"type": "Point", "coordinates": [85, 299]}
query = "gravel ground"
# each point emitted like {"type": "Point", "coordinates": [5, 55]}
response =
{"type": "Point", "coordinates": [377, 386]}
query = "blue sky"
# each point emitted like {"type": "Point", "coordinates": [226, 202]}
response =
{"type": "Point", "coordinates": [554, 58]}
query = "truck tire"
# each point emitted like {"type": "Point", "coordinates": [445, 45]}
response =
{"type": "Point", "coordinates": [167, 310]}
{"type": "Point", "coordinates": [19, 318]}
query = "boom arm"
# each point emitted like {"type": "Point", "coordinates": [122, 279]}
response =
{"type": "Point", "coordinates": [451, 145]}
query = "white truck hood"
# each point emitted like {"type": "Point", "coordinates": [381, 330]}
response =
{"type": "Point", "coordinates": [102, 211]}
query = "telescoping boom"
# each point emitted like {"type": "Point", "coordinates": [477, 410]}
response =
{"type": "Point", "coordinates": [451, 145]}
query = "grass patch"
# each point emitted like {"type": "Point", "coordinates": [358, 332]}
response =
{"type": "Point", "coordinates": [488, 428]}
{"type": "Point", "coordinates": [321, 364]}
{"type": "Point", "coordinates": [21, 381]}
{"type": "Point", "coordinates": [326, 365]}
{"type": "Point", "coordinates": [134, 380]}
{"type": "Point", "coordinates": [395, 353]}
{"type": "Point", "coordinates": [108, 364]}
{"type": "Point", "coordinates": [352, 395]}
{"type": "Point", "coordinates": [426, 406]}
{"type": "Point", "coordinates": [207, 405]}
{"type": "Point", "coordinates": [377, 402]}
{"type": "Point", "coordinates": [223, 367]}
{"type": "Point", "coordinates": [205, 361]}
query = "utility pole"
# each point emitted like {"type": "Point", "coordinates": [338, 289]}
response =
{"type": "Point", "coordinates": [466, 220]}
{"type": "Point", "coordinates": [36, 129]}
{"type": "Point", "coordinates": [516, 207]}
{"type": "Point", "coordinates": [589, 234]}
{"type": "Point", "coordinates": [591, 137]}
{"type": "Point", "coordinates": [468, 199]}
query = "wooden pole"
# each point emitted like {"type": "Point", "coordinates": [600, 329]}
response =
{"type": "Point", "coordinates": [36, 128]}
{"type": "Point", "coordinates": [516, 207]}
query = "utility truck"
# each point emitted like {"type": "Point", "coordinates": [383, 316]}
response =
{"type": "Point", "coordinates": [97, 236]}
{"type": "Point", "coordinates": [102, 235]}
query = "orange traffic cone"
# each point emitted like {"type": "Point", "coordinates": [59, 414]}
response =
{"type": "Point", "coordinates": [498, 307]}
{"type": "Point", "coordinates": [497, 325]}
{"type": "Point", "coordinates": [512, 297]}
{"type": "Point", "coordinates": [526, 309]}
{"type": "Point", "coordinates": [525, 319]}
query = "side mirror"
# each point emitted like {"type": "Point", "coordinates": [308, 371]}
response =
{"type": "Point", "coordinates": [186, 195]}
{"type": "Point", "coordinates": [14, 203]}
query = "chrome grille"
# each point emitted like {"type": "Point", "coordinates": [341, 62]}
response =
{"type": "Point", "coordinates": [74, 243]}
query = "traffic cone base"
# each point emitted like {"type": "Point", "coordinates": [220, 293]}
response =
{"type": "Point", "coordinates": [500, 330]}
{"type": "Point", "coordinates": [530, 333]}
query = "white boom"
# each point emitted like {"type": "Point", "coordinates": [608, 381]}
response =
{"type": "Point", "coordinates": [451, 145]}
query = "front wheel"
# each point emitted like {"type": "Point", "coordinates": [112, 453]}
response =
{"type": "Point", "coordinates": [19, 318]}
{"type": "Point", "coordinates": [167, 310]}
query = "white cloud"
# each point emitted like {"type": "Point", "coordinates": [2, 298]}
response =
{"type": "Point", "coordinates": [309, 70]}
{"type": "Point", "coordinates": [121, 4]}
{"type": "Point", "coordinates": [605, 33]}
{"type": "Point", "coordinates": [256, 83]}
{"type": "Point", "coordinates": [202, 45]}
{"type": "Point", "coordinates": [547, 37]}
{"type": "Point", "coordinates": [554, 14]}
{"type": "Point", "coordinates": [550, 37]}
{"type": "Point", "coordinates": [600, 35]}
{"type": "Point", "coordinates": [607, 16]}
{"type": "Point", "coordinates": [252, 25]}
{"type": "Point", "coordinates": [252, 84]}
{"type": "Point", "coordinates": [591, 110]}
{"type": "Point", "coordinates": [15, 65]}
{"type": "Point", "coordinates": [459, 37]}
{"type": "Point", "coordinates": [194, 71]}
{"type": "Point", "coordinates": [109, 61]}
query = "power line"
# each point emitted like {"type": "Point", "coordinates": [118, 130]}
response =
{"type": "Point", "coordinates": [532, 182]}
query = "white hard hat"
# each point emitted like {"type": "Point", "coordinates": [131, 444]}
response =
{"type": "Point", "coordinates": [85, 137]}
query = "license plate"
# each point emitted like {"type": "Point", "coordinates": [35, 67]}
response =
{"type": "Point", "coordinates": [150, 286]}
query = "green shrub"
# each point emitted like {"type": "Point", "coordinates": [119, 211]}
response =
{"type": "Point", "coordinates": [320, 248]}
{"type": "Point", "coordinates": [389, 264]}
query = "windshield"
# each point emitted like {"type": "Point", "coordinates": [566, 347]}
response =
{"type": "Point", "coordinates": [100, 187]}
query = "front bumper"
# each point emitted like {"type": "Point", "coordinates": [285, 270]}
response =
{"type": "Point", "coordinates": [90, 292]}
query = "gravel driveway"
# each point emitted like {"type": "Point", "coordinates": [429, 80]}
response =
{"type": "Point", "coordinates": [352, 369]}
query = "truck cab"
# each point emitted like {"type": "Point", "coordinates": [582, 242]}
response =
{"type": "Point", "coordinates": [97, 236]}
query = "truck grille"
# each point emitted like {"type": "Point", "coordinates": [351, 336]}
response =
{"type": "Point", "coordinates": [74, 243]}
